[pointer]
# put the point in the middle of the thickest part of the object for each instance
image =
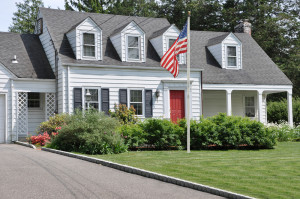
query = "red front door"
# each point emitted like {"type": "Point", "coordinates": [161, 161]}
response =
{"type": "Point", "coordinates": [177, 105]}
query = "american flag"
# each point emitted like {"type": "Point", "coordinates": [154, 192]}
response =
{"type": "Point", "coordinates": [169, 60]}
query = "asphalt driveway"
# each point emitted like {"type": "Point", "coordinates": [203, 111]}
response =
{"type": "Point", "coordinates": [29, 173]}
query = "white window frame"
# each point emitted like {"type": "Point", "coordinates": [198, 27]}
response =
{"type": "Point", "coordinates": [236, 56]}
{"type": "Point", "coordinates": [83, 97]}
{"type": "Point", "coordinates": [244, 106]}
{"type": "Point", "coordinates": [181, 56]}
{"type": "Point", "coordinates": [143, 99]}
{"type": "Point", "coordinates": [139, 48]}
{"type": "Point", "coordinates": [95, 45]}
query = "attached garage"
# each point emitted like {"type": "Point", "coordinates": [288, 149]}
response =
{"type": "Point", "coordinates": [2, 118]}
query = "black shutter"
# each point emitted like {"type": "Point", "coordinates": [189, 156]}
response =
{"type": "Point", "coordinates": [105, 100]}
{"type": "Point", "coordinates": [123, 96]}
{"type": "Point", "coordinates": [77, 98]}
{"type": "Point", "coordinates": [148, 103]}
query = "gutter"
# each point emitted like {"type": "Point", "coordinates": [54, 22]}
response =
{"type": "Point", "coordinates": [125, 67]}
{"type": "Point", "coordinates": [33, 79]}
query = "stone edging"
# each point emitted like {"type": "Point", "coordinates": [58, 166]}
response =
{"type": "Point", "coordinates": [25, 144]}
{"type": "Point", "coordinates": [157, 176]}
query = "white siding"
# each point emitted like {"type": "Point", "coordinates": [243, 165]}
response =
{"type": "Point", "coordinates": [119, 41]}
{"type": "Point", "coordinates": [72, 40]}
{"type": "Point", "coordinates": [216, 51]}
{"type": "Point", "coordinates": [114, 79]}
{"type": "Point", "coordinates": [36, 116]}
{"type": "Point", "coordinates": [157, 43]}
{"type": "Point", "coordinates": [116, 40]}
{"type": "Point", "coordinates": [172, 32]}
{"type": "Point", "coordinates": [34, 86]}
{"type": "Point", "coordinates": [231, 40]}
{"type": "Point", "coordinates": [5, 88]}
{"type": "Point", "coordinates": [88, 26]}
{"type": "Point", "coordinates": [47, 44]}
{"type": "Point", "coordinates": [214, 102]}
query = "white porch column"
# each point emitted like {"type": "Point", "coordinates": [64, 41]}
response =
{"type": "Point", "coordinates": [259, 105]}
{"type": "Point", "coordinates": [228, 102]}
{"type": "Point", "coordinates": [290, 108]}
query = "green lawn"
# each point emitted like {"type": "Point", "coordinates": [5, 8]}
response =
{"type": "Point", "coordinates": [273, 173]}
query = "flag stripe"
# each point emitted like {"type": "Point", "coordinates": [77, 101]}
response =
{"type": "Point", "coordinates": [169, 60]}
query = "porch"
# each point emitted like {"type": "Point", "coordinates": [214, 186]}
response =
{"type": "Point", "coordinates": [246, 100]}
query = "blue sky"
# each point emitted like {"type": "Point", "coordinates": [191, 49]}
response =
{"type": "Point", "coordinates": [8, 7]}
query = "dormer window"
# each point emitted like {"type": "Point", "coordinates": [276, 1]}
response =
{"type": "Point", "coordinates": [133, 48]}
{"type": "Point", "coordinates": [171, 41]}
{"type": "Point", "coordinates": [89, 45]}
{"type": "Point", "coordinates": [231, 56]}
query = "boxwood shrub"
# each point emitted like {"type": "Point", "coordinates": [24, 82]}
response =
{"type": "Point", "coordinates": [89, 132]}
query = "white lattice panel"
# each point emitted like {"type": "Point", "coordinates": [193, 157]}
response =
{"type": "Point", "coordinates": [22, 113]}
{"type": "Point", "coordinates": [50, 105]}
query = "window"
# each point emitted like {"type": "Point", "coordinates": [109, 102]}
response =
{"type": "Point", "coordinates": [231, 56]}
{"type": "Point", "coordinates": [91, 98]}
{"type": "Point", "coordinates": [133, 47]}
{"type": "Point", "coordinates": [89, 45]}
{"type": "Point", "coordinates": [171, 41]}
{"type": "Point", "coordinates": [249, 107]}
{"type": "Point", "coordinates": [39, 26]}
{"type": "Point", "coordinates": [33, 100]}
{"type": "Point", "coordinates": [136, 100]}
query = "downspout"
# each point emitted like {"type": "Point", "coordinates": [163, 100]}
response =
{"type": "Point", "coordinates": [12, 113]}
{"type": "Point", "coordinates": [56, 82]}
{"type": "Point", "coordinates": [201, 93]}
{"type": "Point", "coordinates": [68, 82]}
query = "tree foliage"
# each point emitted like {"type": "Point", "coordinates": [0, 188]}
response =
{"type": "Point", "coordinates": [24, 19]}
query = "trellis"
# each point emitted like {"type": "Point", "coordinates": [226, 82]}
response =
{"type": "Point", "coordinates": [50, 105]}
{"type": "Point", "coordinates": [22, 113]}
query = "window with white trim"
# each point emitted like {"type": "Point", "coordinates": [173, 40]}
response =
{"type": "Point", "coordinates": [136, 100]}
{"type": "Point", "coordinates": [170, 42]}
{"type": "Point", "coordinates": [91, 98]}
{"type": "Point", "coordinates": [133, 48]}
{"type": "Point", "coordinates": [249, 107]}
{"type": "Point", "coordinates": [34, 100]}
{"type": "Point", "coordinates": [231, 57]}
{"type": "Point", "coordinates": [89, 46]}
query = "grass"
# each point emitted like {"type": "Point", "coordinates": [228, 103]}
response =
{"type": "Point", "coordinates": [273, 173]}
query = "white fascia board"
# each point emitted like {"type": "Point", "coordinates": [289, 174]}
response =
{"type": "Point", "coordinates": [8, 71]}
{"type": "Point", "coordinates": [124, 67]}
{"type": "Point", "coordinates": [247, 87]}
{"type": "Point", "coordinates": [33, 79]}
{"type": "Point", "coordinates": [232, 34]}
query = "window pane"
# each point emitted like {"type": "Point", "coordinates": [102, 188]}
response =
{"type": "Point", "coordinates": [250, 112]}
{"type": "Point", "coordinates": [249, 101]}
{"type": "Point", "coordinates": [138, 107]}
{"type": "Point", "coordinates": [92, 105]}
{"type": "Point", "coordinates": [88, 38]}
{"type": "Point", "coordinates": [231, 50]}
{"type": "Point", "coordinates": [133, 41]}
{"type": "Point", "coordinates": [33, 100]}
{"type": "Point", "coordinates": [94, 94]}
{"type": "Point", "coordinates": [231, 61]}
{"type": "Point", "coordinates": [89, 51]}
{"type": "Point", "coordinates": [171, 42]}
{"type": "Point", "coordinates": [133, 53]}
{"type": "Point", "coordinates": [135, 96]}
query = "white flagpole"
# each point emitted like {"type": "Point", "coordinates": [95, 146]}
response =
{"type": "Point", "coordinates": [188, 84]}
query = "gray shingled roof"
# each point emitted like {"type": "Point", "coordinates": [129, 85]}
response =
{"type": "Point", "coordinates": [32, 61]}
{"type": "Point", "coordinates": [258, 68]}
{"type": "Point", "coordinates": [217, 40]}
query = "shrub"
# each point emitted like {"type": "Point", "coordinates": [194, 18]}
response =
{"type": "Point", "coordinates": [284, 132]}
{"type": "Point", "coordinates": [40, 139]}
{"type": "Point", "coordinates": [133, 134]}
{"type": "Point", "coordinates": [223, 131]}
{"type": "Point", "coordinates": [89, 132]}
{"type": "Point", "coordinates": [124, 115]}
{"type": "Point", "coordinates": [162, 133]}
{"type": "Point", "coordinates": [51, 125]}
{"type": "Point", "coordinates": [277, 111]}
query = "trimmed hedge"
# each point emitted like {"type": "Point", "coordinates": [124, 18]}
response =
{"type": "Point", "coordinates": [218, 132]}
{"type": "Point", "coordinates": [277, 111]}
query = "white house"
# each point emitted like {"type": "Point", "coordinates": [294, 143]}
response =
{"type": "Point", "coordinates": [78, 60]}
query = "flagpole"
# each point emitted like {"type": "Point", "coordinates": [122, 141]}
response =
{"type": "Point", "coordinates": [188, 83]}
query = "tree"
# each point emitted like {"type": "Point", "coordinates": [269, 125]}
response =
{"type": "Point", "coordinates": [24, 19]}
{"type": "Point", "coordinates": [96, 6]}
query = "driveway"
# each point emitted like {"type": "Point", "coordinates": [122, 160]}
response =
{"type": "Point", "coordinates": [29, 173]}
